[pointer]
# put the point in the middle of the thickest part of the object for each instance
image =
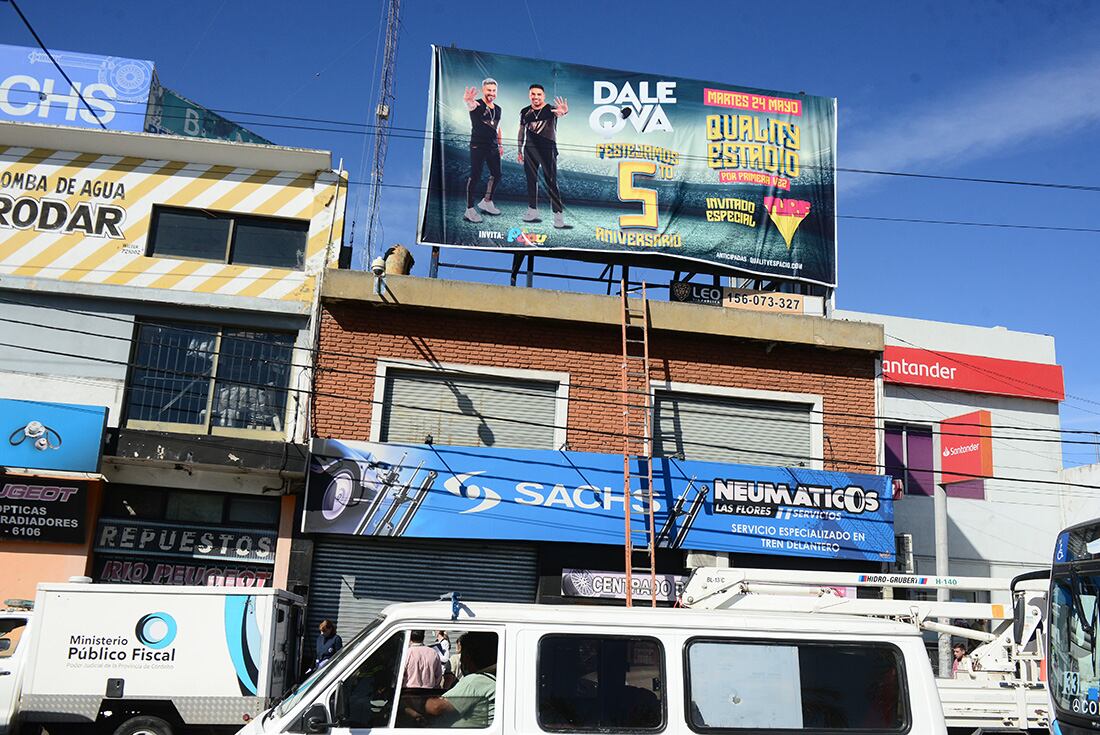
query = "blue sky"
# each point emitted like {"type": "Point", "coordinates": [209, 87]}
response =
{"type": "Point", "coordinates": [1001, 90]}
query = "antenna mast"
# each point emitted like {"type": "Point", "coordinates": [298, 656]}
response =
{"type": "Point", "coordinates": [382, 115]}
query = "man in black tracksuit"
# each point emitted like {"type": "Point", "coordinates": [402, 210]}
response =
{"type": "Point", "coordinates": [486, 147]}
{"type": "Point", "coordinates": [538, 148]}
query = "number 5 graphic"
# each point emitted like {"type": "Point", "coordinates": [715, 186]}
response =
{"type": "Point", "coordinates": [628, 192]}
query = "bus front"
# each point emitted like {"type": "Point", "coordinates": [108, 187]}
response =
{"type": "Point", "coordinates": [1074, 667]}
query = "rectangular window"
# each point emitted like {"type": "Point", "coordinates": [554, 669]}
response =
{"type": "Point", "coordinates": [226, 237]}
{"type": "Point", "coordinates": [910, 458]}
{"type": "Point", "coordinates": [206, 379]}
{"type": "Point", "coordinates": [600, 684]}
{"type": "Point", "coordinates": [735, 685]}
{"type": "Point", "coordinates": [736, 430]}
{"type": "Point", "coordinates": [468, 410]}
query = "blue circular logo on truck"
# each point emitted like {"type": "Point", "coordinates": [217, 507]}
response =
{"type": "Point", "coordinates": [156, 630]}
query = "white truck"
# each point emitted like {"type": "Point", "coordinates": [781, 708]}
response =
{"type": "Point", "coordinates": [1006, 689]}
{"type": "Point", "coordinates": [129, 659]}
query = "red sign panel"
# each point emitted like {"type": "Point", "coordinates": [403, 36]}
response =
{"type": "Point", "coordinates": [966, 447]}
{"type": "Point", "coordinates": [953, 371]}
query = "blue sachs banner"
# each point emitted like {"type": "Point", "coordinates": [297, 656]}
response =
{"type": "Point", "coordinates": [32, 90]}
{"type": "Point", "coordinates": [431, 491]}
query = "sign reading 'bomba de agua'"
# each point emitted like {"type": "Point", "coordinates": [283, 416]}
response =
{"type": "Point", "coordinates": [526, 154]}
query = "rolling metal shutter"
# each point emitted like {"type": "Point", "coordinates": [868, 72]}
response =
{"type": "Point", "coordinates": [466, 410]}
{"type": "Point", "coordinates": [718, 429]}
{"type": "Point", "coordinates": [353, 579]}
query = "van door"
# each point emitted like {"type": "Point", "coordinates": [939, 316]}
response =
{"type": "Point", "coordinates": [12, 656]}
{"type": "Point", "coordinates": [419, 680]}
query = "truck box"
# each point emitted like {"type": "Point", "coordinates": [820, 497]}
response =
{"type": "Point", "coordinates": [186, 655]}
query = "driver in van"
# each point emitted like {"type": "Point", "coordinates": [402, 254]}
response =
{"type": "Point", "coordinates": [472, 701]}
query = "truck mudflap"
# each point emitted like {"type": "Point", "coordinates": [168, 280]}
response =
{"type": "Point", "coordinates": [74, 708]}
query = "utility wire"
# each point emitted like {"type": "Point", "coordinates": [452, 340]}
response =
{"type": "Point", "coordinates": [323, 353]}
{"type": "Point", "coordinates": [57, 66]}
{"type": "Point", "coordinates": [367, 129]}
{"type": "Point", "coordinates": [313, 393]}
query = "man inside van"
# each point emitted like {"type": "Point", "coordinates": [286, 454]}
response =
{"type": "Point", "coordinates": [472, 701]}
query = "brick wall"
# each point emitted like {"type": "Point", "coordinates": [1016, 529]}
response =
{"type": "Point", "coordinates": [353, 334]}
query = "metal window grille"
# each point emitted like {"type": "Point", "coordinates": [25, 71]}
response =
{"type": "Point", "coordinates": [204, 377]}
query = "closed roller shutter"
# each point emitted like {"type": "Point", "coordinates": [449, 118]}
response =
{"type": "Point", "coordinates": [467, 410]}
{"type": "Point", "coordinates": [353, 579]}
{"type": "Point", "coordinates": [741, 431]}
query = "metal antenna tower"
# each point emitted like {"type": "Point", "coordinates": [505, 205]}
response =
{"type": "Point", "coordinates": [382, 115]}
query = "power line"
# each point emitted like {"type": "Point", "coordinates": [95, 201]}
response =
{"type": "Point", "coordinates": [323, 353]}
{"type": "Point", "coordinates": [835, 461]}
{"type": "Point", "coordinates": [367, 129]}
{"type": "Point", "coordinates": [57, 66]}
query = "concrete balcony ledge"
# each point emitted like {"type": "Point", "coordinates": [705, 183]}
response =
{"type": "Point", "coordinates": [534, 303]}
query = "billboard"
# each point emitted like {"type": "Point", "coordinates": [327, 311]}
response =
{"type": "Point", "coordinates": [51, 436]}
{"type": "Point", "coordinates": [569, 158]}
{"type": "Point", "coordinates": [39, 509]}
{"type": "Point", "coordinates": [433, 491]}
{"type": "Point", "coordinates": [32, 90]}
{"type": "Point", "coordinates": [966, 449]}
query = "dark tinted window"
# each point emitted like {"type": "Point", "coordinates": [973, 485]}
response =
{"type": "Point", "coordinates": [253, 511]}
{"type": "Point", "coordinates": [227, 237]}
{"type": "Point", "coordinates": [194, 507]}
{"type": "Point", "coordinates": [133, 501]}
{"type": "Point", "coordinates": [600, 683]}
{"type": "Point", "coordinates": [190, 233]}
{"type": "Point", "coordinates": [272, 243]}
{"type": "Point", "coordinates": [734, 685]}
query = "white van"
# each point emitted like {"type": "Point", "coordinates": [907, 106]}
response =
{"type": "Point", "coordinates": [545, 669]}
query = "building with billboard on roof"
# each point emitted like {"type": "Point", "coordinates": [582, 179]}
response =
{"type": "Point", "coordinates": [157, 296]}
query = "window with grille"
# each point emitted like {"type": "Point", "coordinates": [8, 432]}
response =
{"type": "Point", "coordinates": [208, 379]}
{"type": "Point", "coordinates": [225, 237]}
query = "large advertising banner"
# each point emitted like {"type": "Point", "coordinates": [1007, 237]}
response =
{"type": "Point", "coordinates": [433, 491]}
{"type": "Point", "coordinates": [33, 90]}
{"type": "Point", "coordinates": [51, 436]}
{"type": "Point", "coordinates": [525, 154]}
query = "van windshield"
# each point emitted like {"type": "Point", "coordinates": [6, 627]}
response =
{"type": "Point", "coordinates": [333, 663]}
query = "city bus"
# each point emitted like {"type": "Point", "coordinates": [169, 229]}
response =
{"type": "Point", "coordinates": [1072, 658]}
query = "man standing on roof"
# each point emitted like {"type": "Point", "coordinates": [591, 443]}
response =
{"type": "Point", "coordinates": [486, 147]}
{"type": "Point", "coordinates": [538, 148]}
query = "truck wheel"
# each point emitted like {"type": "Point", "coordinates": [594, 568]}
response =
{"type": "Point", "coordinates": [144, 726]}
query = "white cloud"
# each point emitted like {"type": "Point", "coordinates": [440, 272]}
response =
{"type": "Point", "coordinates": [973, 123]}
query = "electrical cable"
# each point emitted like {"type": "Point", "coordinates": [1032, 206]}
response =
{"type": "Point", "coordinates": [57, 66]}
{"type": "Point", "coordinates": [511, 391]}
{"type": "Point", "coordinates": [586, 149]}
{"type": "Point", "coordinates": [835, 461]}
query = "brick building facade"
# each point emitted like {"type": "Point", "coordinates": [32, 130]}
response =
{"type": "Point", "coordinates": [430, 368]}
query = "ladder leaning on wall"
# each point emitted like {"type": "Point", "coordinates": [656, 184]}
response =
{"type": "Point", "coordinates": [637, 439]}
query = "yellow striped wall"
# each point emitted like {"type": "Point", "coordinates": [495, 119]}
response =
{"type": "Point", "coordinates": [79, 257]}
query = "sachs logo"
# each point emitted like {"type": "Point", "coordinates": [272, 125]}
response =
{"type": "Point", "coordinates": [458, 485]}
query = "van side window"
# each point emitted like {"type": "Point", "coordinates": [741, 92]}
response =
{"type": "Point", "coordinates": [450, 679]}
{"type": "Point", "coordinates": [774, 685]}
{"type": "Point", "coordinates": [11, 630]}
{"type": "Point", "coordinates": [600, 683]}
{"type": "Point", "coordinates": [369, 691]}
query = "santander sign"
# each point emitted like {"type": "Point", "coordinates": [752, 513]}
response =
{"type": "Point", "coordinates": [966, 443]}
{"type": "Point", "coordinates": [972, 373]}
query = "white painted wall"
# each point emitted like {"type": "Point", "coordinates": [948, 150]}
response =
{"type": "Point", "coordinates": [1082, 504]}
{"type": "Point", "coordinates": [1013, 529]}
